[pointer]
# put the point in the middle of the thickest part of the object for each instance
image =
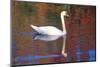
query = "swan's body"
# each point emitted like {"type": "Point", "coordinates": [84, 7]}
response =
{"type": "Point", "coordinates": [48, 30]}
{"type": "Point", "coordinates": [51, 30]}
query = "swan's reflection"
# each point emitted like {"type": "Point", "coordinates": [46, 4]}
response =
{"type": "Point", "coordinates": [46, 37]}
{"type": "Point", "coordinates": [52, 38]}
{"type": "Point", "coordinates": [37, 36]}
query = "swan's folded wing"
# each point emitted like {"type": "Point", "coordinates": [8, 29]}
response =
{"type": "Point", "coordinates": [50, 30]}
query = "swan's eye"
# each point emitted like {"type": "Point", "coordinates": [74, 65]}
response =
{"type": "Point", "coordinates": [65, 12]}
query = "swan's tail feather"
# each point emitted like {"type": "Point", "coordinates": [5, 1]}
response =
{"type": "Point", "coordinates": [34, 27]}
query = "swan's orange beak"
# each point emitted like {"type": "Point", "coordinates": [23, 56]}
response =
{"type": "Point", "coordinates": [67, 15]}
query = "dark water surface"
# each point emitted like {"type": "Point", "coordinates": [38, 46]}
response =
{"type": "Point", "coordinates": [80, 41]}
{"type": "Point", "coordinates": [38, 51]}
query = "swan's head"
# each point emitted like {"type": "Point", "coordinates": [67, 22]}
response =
{"type": "Point", "coordinates": [64, 13]}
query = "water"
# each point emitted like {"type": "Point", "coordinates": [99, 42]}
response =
{"type": "Point", "coordinates": [30, 48]}
{"type": "Point", "coordinates": [44, 47]}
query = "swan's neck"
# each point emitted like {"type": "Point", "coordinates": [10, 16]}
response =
{"type": "Point", "coordinates": [63, 24]}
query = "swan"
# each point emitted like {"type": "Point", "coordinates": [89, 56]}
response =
{"type": "Point", "coordinates": [51, 30]}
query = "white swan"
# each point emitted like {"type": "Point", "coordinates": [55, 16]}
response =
{"type": "Point", "coordinates": [51, 30]}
